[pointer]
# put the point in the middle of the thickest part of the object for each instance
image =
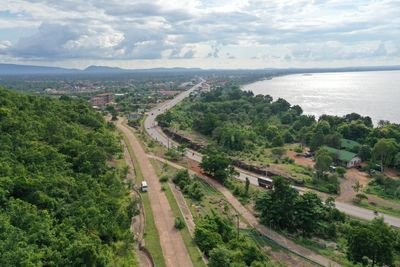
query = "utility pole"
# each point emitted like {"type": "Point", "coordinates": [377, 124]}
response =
{"type": "Point", "coordinates": [237, 218]}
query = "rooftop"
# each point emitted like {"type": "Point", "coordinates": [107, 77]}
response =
{"type": "Point", "coordinates": [343, 155]}
{"type": "Point", "coordinates": [104, 94]}
{"type": "Point", "coordinates": [349, 144]}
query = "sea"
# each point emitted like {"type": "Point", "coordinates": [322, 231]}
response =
{"type": "Point", "coordinates": [369, 93]}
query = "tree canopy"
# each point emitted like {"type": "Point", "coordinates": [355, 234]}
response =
{"type": "Point", "coordinates": [61, 204]}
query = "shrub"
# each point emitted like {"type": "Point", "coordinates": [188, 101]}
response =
{"type": "Point", "coordinates": [173, 154]}
{"type": "Point", "coordinates": [341, 171]}
{"type": "Point", "coordinates": [359, 197]}
{"type": "Point", "coordinates": [298, 149]}
{"type": "Point", "coordinates": [164, 179]}
{"type": "Point", "coordinates": [179, 223]}
{"type": "Point", "coordinates": [189, 186]}
{"type": "Point", "coordinates": [195, 191]}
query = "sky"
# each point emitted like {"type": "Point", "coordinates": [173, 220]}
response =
{"type": "Point", "coordinates": [200, 33]}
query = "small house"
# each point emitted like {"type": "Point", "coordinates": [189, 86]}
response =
{"type": "Point", "coordinates": [346, 158]}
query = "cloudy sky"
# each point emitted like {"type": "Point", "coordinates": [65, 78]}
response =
{"type": "Point", "coordinates": [200, 33]}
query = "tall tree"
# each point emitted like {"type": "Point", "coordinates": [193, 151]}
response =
{"type": "Point", "coordinates": [375, 242]}
{"type": "Point", "coordinates": [317, 140]}
{"type": "Point", "coordinates": [246, 187]}
{"type": "Point", "coordinates": [384, 151]}
{"type": "Point", "coordinates": [218, 165]}
{"type": "Point", "coordinates": [323, 161]}
{"type": "Point", "coordinates": [277, 206]}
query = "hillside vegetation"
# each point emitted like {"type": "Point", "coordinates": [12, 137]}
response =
{"type": "Point", "coordinates": [259, 130]}
{"type": "Point", "coordinates": [60, 203]}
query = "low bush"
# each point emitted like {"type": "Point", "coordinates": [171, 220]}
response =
{"type": "Point", "coordinates": [164, 179]}
{"type": "Point", "coordinates": [179, 223]}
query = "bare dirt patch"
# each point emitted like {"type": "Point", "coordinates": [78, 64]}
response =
{"type": "Point", "coordinates": [300, 160]}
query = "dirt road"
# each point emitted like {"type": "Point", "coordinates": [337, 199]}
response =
{"type": "Point", "coordinates": [138, 222]}
{"type": "Point", "coordinates": [347, 192]}
{"type": "Point", "coordinates": [173, 247]}
{"type": "Point", "coordinates": [300, 160]}
{"type": "Point", "coordinates": [252, 220]}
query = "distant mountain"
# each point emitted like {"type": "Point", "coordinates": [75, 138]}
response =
{"type": "Point", "coordinates": [14, 69]}
{"type": "Point", "coordinates": [103, 69]}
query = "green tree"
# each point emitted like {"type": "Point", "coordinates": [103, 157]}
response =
{"type": "Point", "coordinates": [246, 187]}
{"type": "Point", "coordinates": [220, 257]}
{"type": "Point", "coordinates": [310, 212]}
{"type": "Point", "coordinates": [375, 242]}
{"type": "Point", "coordinates": [278, 141]}
{"type": "Point", "coordinates": [323, 161]}
{"type": "Point", "coordinates": [317, 141]}
{"type": "Point", "coordinates": [61, 203]}
{"type": "Point", "coordinates": [397, 161]}
{"type": "Point", "coordinates": [218, 165]}
{"type": "Point", "coordinates": [384, 151]}
{"type": "Point", "coordinates": [365, 152]}
{"type": "Point", "coordinates": [277, 206]}
{"type": "Point", "coordinates": [333, 140]}
{"type": "Point", "coordinates": [323, 127]}
{"type": "Point", "coordinates": [207, 239]}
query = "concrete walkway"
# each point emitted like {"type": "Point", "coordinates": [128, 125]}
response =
{"type": "Point", "coordinates": [173, 248]}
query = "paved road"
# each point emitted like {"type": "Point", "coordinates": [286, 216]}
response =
{"type": "Point", "coordinates": [173, 248]}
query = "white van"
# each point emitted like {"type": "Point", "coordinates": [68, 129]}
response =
{"type": "Point", "coordinates": [143, 187]}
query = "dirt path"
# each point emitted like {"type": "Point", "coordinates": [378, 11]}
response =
{"type": "Point", "coordinates": [252, 220]}
{"type": "Point", "coordinates": [347, 192]}
{"type": "Point", "coordinates": [173, 248]}
{"type": "Point", "coordinates": [138, 222]}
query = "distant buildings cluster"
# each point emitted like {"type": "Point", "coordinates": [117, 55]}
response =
{"type": "Point", "coordinates": [102, 100]}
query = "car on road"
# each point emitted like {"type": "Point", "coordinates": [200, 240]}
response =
{"type": "Point", "coordinates": [308, 155]}
{"type": "Point", "coordinates": [144, 186]}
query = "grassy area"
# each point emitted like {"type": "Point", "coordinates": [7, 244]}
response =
{"type": "Point", "coordinates": [379, 190]}
{"type": "Point", "coordinates": [237, 188]}
{"type": "Point", "coordinates": [192, 248]}
{"type": "Point", "coordinates": [194, 252]}
{"type": "Point", "coordinates": [152, 239]}
{"type": "Point", "coordinates": [381, 209]}
{"type": "Point", "coordinates": [334, 254]}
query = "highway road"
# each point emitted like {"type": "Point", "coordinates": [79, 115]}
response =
{"type": "Point", "coordinates": [156, 133]}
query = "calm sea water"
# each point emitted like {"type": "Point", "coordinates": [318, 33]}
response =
{"type": "Point", "coordinates": [375, 94]}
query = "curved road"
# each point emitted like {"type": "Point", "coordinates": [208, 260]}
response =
{"type": "Point", "coordinates": [156, 133]}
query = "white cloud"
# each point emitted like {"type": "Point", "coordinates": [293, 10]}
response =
{"type": "Point", "coordinates": [269, 32]}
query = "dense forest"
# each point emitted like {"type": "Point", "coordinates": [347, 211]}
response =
{"type": "Point", "coordinates": [61, 203]}
{"type": "Point", "coordinates": [237, 120]}
{"type": "Point", "coordinates": [246, 126]}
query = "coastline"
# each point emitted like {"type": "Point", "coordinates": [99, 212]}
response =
{"type": "Point", "coordinates": [336, 93]}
